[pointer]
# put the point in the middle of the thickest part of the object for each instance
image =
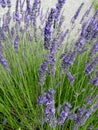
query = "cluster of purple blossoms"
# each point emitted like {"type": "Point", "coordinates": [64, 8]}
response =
{"type": "Point", "coordinates": [42, 72]}
{"type": "Point", "coordinates": [80, 43]}
{"type": "Point", "coordinates": [34, 14]}
{"type": "Point", "coordinates": [82, 114]}
{"type": "Point", "coordinates": [64, 113]}
{"type": "Point", "coordinates": [59, 6]}
{"type": "Point", "coordinates": [79, 115]}
{"type": "Point", "coordinates": [52, 44]}
{"type": "Point", "coordinates": [16, 42]}
{"type": "Point", "coordinates": [6, 21]}
{"type": "Point", "coordinates": [52, 18]}
{"type": "Point", "coordinates": [49, 109]}
{"type": "Point", "coordinates": [94, 49]}
{"type": "Point", "coordinates": [16, 14]}
{"type": "Point", "coordinates": [28, 10]}
{"type": "Point", "coordinates": [35, 8]}
{"type": "Point", "coordinates": [94, 81]}
{"type": "Point", "coordinates": [5, 3]}
{"type": "Point", "coordinates": [90, 67]}
{"type": "Point", "coordinates": [68, 58]}
{"type": "Point", "coordinates": [4, 63]}
{"type": "Point", "coordinates": [48, 29]}
{"type": "Point", "coordinates": [90, 29]}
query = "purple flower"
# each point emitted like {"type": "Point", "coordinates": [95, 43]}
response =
{"type": "Point", "coordinates": [77, 13]}
{"type": "Point", "coordinates": [42, 72]}
{"type": "Point", "coordinates": [65, 34]}
{"type": "Point", "coordinates": [35, 8]}
{"type": "Point", "coordinates": [12, 31]}
{"type": "Point", "coordinates": [80, 44]}
{"type": "Point", "coordinates": [87, 12]}
{"type": "Point", "coordinates": [95, 48]}
{"type": "Point", "coordinates": [90, 127]}
{"type": "Point", "coordinates": [9, 3]}
{"type": "Point", "coordinates": [48, 30]}
{"type": "Point", "coordinates": [94, 81]}
{"type": "Point", "coordinates": [71, 77]}
{"type": "Point", "coordinates": [49, 109]}
{"type": "Point", "coordinates": [68, 59]}
{"type": "Point", "coordinates": [3, 3]}
{"type": "Point", "coordinates": [90, 68]}
{"type": "Point", "coordinates": [64, 113]}
{"type": "Point", "coordinates": [42, 99]}
{"type": "Point", "coordinates": [16, 43]}
{"type": "Point", "coordinates": [28, 7]}
{"type": "Point", "coordinates": [21, 5]}
{"type": "Point", "coordinates": [4, 63]}
{"type": "Point", "coordinates": [4, 27]}
{"type": "Point", "coordinates": [82, 116]}
{"type": "Point", "coordinates": [89, 99]}
{"type": "Point", "coordinates": [16, 15]}
{"type": "Point", "coordinates": [90, 28]}
{"type": "Point", "coordinates": [59, 6]}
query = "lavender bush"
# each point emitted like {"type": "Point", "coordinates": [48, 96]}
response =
{"type": "Point", "coordinates": [46, 82]}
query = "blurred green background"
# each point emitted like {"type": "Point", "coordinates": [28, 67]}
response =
{"type": "Point", "coordinates": [96, 5]}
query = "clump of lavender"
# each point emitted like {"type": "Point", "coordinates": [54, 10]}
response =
{"type": "Point", "coordinates": [54, 37]}
{"type": "Point", "coordinates": [80, 115]}
{"type": "Point", "coordinates": [49, 43]}
{"type": "Point", "coordinates": [83, 114]}
{"type": "Point", "coordinates": [53, 16]}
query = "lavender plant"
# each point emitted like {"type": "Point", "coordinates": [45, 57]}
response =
{"type": "Point", "coordinates": [44, 83]}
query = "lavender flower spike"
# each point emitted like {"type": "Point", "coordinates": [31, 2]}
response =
{"type": "Point", "coordinates": [59, 6]}
{"type": "Point", "coordinates": [64, 113]}
{"type": "Point", "coordinates": [71, 77]}
{"type": "Point", "coordinates": [94, 81]}
{"type": "Point", "coordinates": [9, 3]}
{"type": "Point", "coordinates": [3, 4]}
{"type": "Point", "coordinates": [48, 29]}
{"type": "Point", "coordinates": [16, 15]}
{"type": "Point", "coordinates": [49, 109]}
{"type": "Point", "coordinates": [77, 13]}
{"type": "Point", "coordinates": [42, 72]}
{"type": "Point", "coordinates": [95, 48]}
{"type": "Point", "coordinates": [16, 43]}
{"type": "Point", "coordinates": [4, 63]}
